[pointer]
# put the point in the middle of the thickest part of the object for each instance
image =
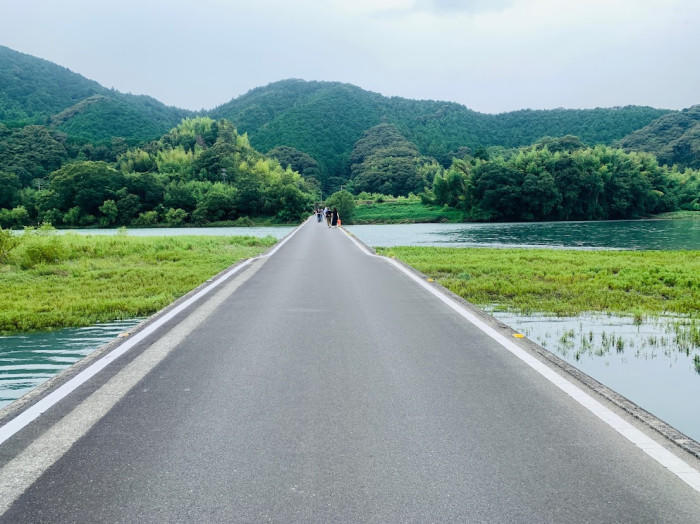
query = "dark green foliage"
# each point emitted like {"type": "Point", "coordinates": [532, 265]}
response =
{"type": "Point", "coordinates": [31, 152]}
{"type": "Point", "coordinates": [202, 171]}
{"type": "Point", "coordinates": [35, 91]}
{"type": "Point", "coordinates": [674, 138]}
{"type": "Point", "coordinates": [582, 184]}
{"type": "Point", "coordinates": [344, 202]}
{"type": "Point", "coordinates": [100, 118]}
{"type": "Point", "coordinates": [325, 119]}
{"type": "Point", "coordinates": [86, 185]}
{"type": "Point", "coordinates": [383, 161]}
{"type": "Point", "coordinates": [9, 189]}
{"type": "Point", "coordinates": [297, 160]}
{"type": "Point", "coordinates": [337, 135]}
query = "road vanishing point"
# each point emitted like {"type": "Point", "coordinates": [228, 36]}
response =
{"type": "Point", "coordinates": [322, 383]}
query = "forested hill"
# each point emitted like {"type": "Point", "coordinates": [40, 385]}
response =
{"type": "Point", "coordinates": [325, 119]}
{"type": "Point", "coordinates": [36, 91]}
{"type": "Point", "coordinates": [674, 138]}
{"type": "Point", "coordinates": [321, 119]}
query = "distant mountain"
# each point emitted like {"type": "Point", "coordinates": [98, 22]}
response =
{"type": "Point", "coordinates": [325, 119]}
{"type": "Point", "coordinates": [322, 119]}
{"type": "Point", "coordinates": [36, 91]}
{"type": "Point", "coordinates": [674, 138]}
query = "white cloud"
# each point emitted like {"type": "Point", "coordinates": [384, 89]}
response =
{"type": "Point", "coordinates": [490, 55]}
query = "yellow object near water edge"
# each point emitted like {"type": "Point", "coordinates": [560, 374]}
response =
{"type": "Point", "coordinates": [518, 335]}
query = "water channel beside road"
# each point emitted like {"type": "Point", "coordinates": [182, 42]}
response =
{"type": "Point", "coordinates": [614, 234]}
{"type": "Point", "coordinates": [28, 360]}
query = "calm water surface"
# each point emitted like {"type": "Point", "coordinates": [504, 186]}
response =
{"type": "Point", "coordinates": [651, 363]}
{"type": "Point", "coordinates": [618, 234]}
{"type": "Point", "coordinates": [273, 231]}
{"type": "Point", "coordinates": [30, 359]}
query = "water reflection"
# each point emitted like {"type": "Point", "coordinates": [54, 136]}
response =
{"type": "Point", "coordinates": [655, 362]}
{"type": "Point", "coordinates": [27, 360]}
{"type": "Point", "coordinates": [618, 234]}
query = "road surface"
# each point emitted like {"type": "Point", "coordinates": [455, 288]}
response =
{"type": "Point", "coordinates": [323, 385]}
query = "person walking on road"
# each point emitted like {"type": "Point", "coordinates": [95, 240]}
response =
{"type": "Point", "coordinates": [327, 212]}
{"type": "Point", "coordinates": [318, 215]}
{"type": "Point", "coordinates": [335, 217]}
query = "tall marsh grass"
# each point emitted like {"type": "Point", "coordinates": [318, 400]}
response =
{"type": "Point", "coordinates": [49, 281]}
{"type": "Point", "coordinates": [565, 282]}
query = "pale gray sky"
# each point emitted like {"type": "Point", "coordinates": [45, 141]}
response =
{"type": "Point", "coordinates": [490, 55]}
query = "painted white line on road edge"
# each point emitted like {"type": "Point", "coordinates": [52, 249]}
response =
{"type": "Point", "coordinates": [35, 410]}
{"type": "Point", "coordinates": [674, 464]}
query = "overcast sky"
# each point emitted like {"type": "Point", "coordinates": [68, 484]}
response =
{"type": "Point", "coordinates": [490, 55]}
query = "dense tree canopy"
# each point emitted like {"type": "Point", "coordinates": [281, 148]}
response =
{"type": "Point", "coordinates": [674, 138]}
{"type": "Point", "coordinates": [575, 183]}
{"type": "Point", "coordinates": [75, 153]}
{"type": "Point", "coordinates": [298, 161]}
{"type": "Point", "coordinates": [383, 161]}
{"type": "Point", "coordinates": [325, 119]}
{"type": "Point", "coordinates": [202, 171]}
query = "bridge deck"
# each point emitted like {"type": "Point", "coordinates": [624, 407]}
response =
{"type": "Point", "coordinates": [321, 384]}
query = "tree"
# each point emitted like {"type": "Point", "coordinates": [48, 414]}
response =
{"type": "Point", "coordinates": [9, 189]}
{"type": "Point", "coordinates": [345, 203]}
{"type": "Point", "coordinates": [217, 204]}
{"type": "Point", "coordinates": [110, 212]}
{"type": "Point", "coordinates": [85, 184]}
{"type": "Point", "coordinates": [299, 161]}
{"type": "Point", "coordinates": [175, 217]}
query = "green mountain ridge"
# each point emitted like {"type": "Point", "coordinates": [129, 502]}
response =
{"type": "Point", "coordinates": [36, 91]}
{"type": "Point", "coordinates": [326, 119]}
{"type": "Point", "coordinates": [674, 138]}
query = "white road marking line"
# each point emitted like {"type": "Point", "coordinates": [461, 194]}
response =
{"type": "Point", "coordinates": [34, 411]}
{"type": "Point", "coordinates": [24, 469]}
{"type": "Point", "coordinates": [674, 464]}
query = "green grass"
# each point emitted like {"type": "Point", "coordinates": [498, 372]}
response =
{"type": "Point", "coordinates": [404, 212]}
{"type": "Point", "coordinates": [51, 281]}
{"type": "Point", "coordinates": [565, 282]}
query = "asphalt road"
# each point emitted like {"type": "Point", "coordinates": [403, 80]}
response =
{"type": "Point", "coordinates": [329, 387]}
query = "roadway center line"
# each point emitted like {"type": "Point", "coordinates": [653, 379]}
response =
{"type": "Point", "coordinates": [653, 449]}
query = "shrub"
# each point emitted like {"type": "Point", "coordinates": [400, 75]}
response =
{"type": "Point", "coordinates": [40, 250]}
{"type": "Point", "coordinates": [345, 203]}
{"type": "Point", "coordinates": [147, 218]}
{"type": "Point", "coordinates": [175, 217]}
{"type": "Point", "coordinates": [8, 242]}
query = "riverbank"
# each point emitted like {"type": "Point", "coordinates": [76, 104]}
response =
{"type": "Point", "coordinates": [51, 281]}
{"type": "Point", "coordinates": [404, 211]}
{"type": "Point", "coordinates": [410, 210]}
{"type": "Point", "coordinates": [564, 282]}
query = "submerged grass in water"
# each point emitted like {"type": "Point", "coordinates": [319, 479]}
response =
{"type": "Point", "coordinates": [51, 281]}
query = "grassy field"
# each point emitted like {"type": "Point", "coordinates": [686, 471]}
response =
{"type": "Point", "coordinates": [403, 212]}
{"type": "Point", "coordinates": [565, 282]}
{"type": "Point", "coordinates": [51, 281]}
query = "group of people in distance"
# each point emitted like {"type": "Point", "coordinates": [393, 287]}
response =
{"type": "Point", "coordinates": [331, 216]}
